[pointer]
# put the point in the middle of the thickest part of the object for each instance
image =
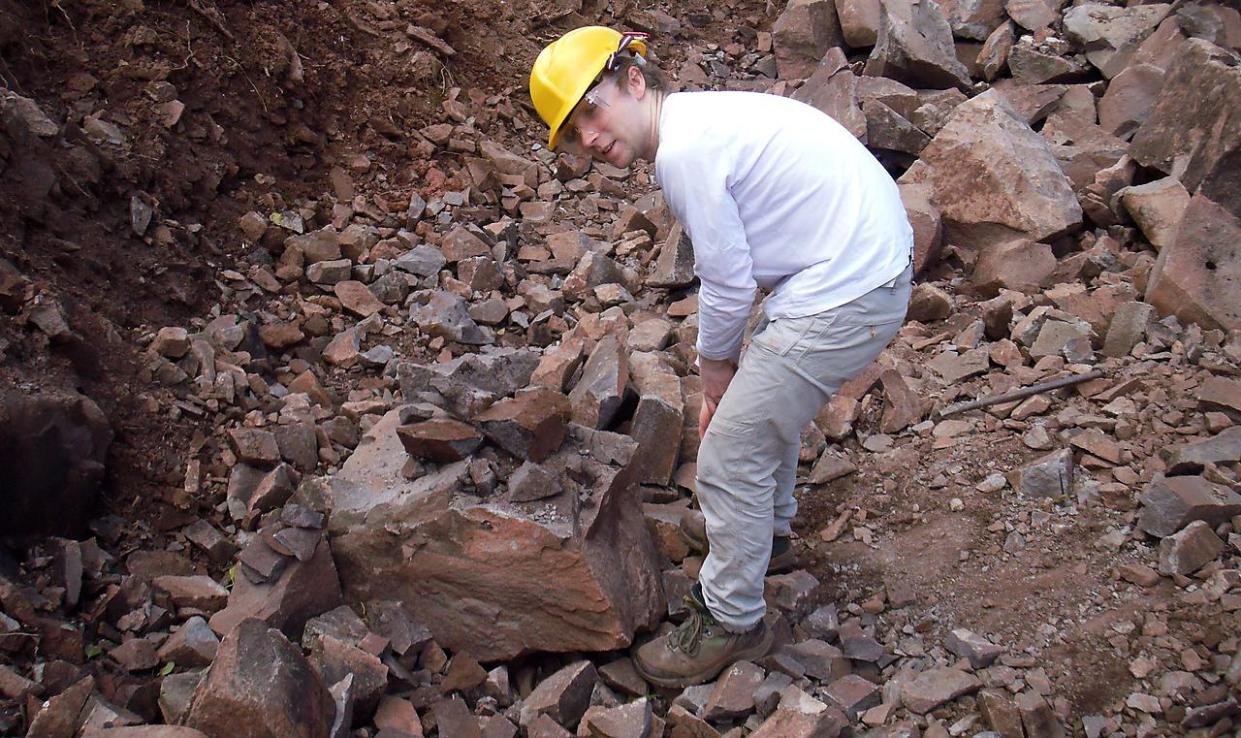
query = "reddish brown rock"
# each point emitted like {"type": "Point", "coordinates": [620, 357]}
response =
{"type": "Point", "coordinates": [301, 591]}
{"type": "Point", "coordinates": [460, 243]}
{"type": "Point", "coordinates": [579, 573]}
{"type": "Point", "coordinates": [1020, 265]}
{"type": "Point", "coordinates": [802, 34]}
{"type": "Point", "coordinates": [658, 419]}
{"type": "Point", "coordinates": [1196, 277]}
{"type": "Point", "coordinates": [934, 687]}
{"type": "Point", "coordinates": [633, 720]}
{"type": "Point", "coordinates": [1171, 503]}
{"type": "Point", "coordinates": [902, 406]}
{"type": "Point", "coordinates": [357, 299]}
{"type": "Point", "coordinates": [58, 717]}
{"type": "Point", "coordinates": [925, 219]}
{"type": "Point", "coordinates": [530, 425]}
{"type": "Point", "coordinates": [915, 46]}
{"type": "Point", "coordinates": [316, 246]}
{"type": "Point", "coordinates": [1110, 35]}
{"type": "Point", "coordinates": [598, 394]}
{"type": "Point", "coordinates": [563, 696]}
{"type": "Point", "coordinates": [262, 682]}
{"type": "Point", "coordinates": [859, 22]}
{"type": "Point", "coordinates": [254, 446]}
{"type": "Point", "coordinates": [732, 697]}
{"type": "Point", "coordinates": [833, 89]}
{"type": "Point", "coordinates": [280, 336]}
{"type": "Point", "coordinates": [1189, 549]}
{"type": "Point", "coordinates": [1129, 99]}
{"type": "Point", "coordinates": [200, 592]}
{"type": "Point", "coordinates": [994, 179]}
{"type": "Point", "coordinates": [674, 267]}
{"type": "Point", "coordinates": [1195, 127]}
{"type": "Point", "coordinates": [801, 716]}
{"type": "Point", "coordinates": [993, 56]}
{"type": "Point", "coordinates": [1158, 208]}
{"type": "Point", "coordinates": [440, 439]}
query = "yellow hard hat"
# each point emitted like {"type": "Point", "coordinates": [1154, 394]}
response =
{"type": "Point", "coordinates": [568, 66]}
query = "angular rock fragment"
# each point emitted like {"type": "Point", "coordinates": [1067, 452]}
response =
{"type": "Point", "coordinates": [447, 315]}
{"type": "Point", "coordinates": [1171, 503]}
{"type": "Point", "coordinates": [1018, 265]}
{"type": "Point", "coordinates": [1129, 99]}
{"type": "Point", "coordinates": [563, 696]}
{"type": "Point", "coordinates": [969, 645]}
{"type": "Point", "coordinates": [733, 694]}
{"type": "Point", "coordinates": [994, 179]}
{"type": "Point", "coordinates": [1110, 35]}
{"type": "Point", "coordinates": [1222, 448]}
{"type": "Point", "coordinates": [915, 47]}
{"type": "Point", "coordinates": [440, 439]}
{"type": "Point", "coordinates": [928, 230]}
{"type": "Point", "coordinates": [530, 425]}
{"type": "Point", "coordinates": [598, 394]}
{"type": "Point", "coordinates": [1189, 549]}
{"type": "Point", "coordinates": [263, 682]}
{"type": "Point", "coordinates": [1195, 127]}
{"type": "Point", "coordinates": [832, 88]}
{"type": "Point", "coordinates": [1000, 713]}
{"type": "Point", "coordinates": [934, 687]}
{"type": "Point", "coordinates": [658, 419]}
{"type": "Point", "coordinates": [1048, 476]}
{"type": "Point", "coordinates": [1157, 207]}
{"type": "Point", "coordinates": [301, 591]}
{"type": "Point", "coordinates": [1195, 277]}
{"type": "Point", "coordinates": [578, 574]}
{"type": "Point", "coordinates": [859, 22]}
{"type": "Point", "coordinates": [469, 384]}
{"type": "Point", "coordinates": [802, 35]}
{"type": "Point", "coordinates": [801, 716]}
{"type": "Point", "coordinates": [1127, 327]}
{"type": "Point", "coordinates": [1037, 716]}
{"type": "Point", "coordinates": [674, 267]}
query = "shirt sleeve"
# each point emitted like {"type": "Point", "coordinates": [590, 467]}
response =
{"type": "Point", "coordinates": [696, 189]}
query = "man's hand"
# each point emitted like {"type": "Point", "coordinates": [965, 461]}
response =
{"type": "Point", "coordinates": [716, 376]}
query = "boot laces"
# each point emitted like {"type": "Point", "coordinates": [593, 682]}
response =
{"type": "Point", "coordinates": [689, 634]}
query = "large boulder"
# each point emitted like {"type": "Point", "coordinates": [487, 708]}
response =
{"type": "Point", "coordinates": [833, 89]}
{"type": "Point", "coordinates": [802, 35]}
{"type": "Point", "coordinates": [470, 383]}
{"type": "Point", "coordinates": [915, 47]}
{"type": "Point", "coordinates": [575, 571]}
{"type": "Point", "coordinates": [53, 448]}
{"type": "Point", "coordinates": [994, 179]}
{"type": "Point", "coordinates": [260, 686]}
{"type": "Point", "coordinates": [1110, 35]}
{"type": "Point", "coordinates": [1198, 276]}
{"type": "Point", "coordinates": [1195, 127]}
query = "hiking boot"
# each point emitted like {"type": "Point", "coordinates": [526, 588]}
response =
{"type": "Point", "coordinates": [694, 531]}
{"type": "Point", "coordinates": [699, 649]}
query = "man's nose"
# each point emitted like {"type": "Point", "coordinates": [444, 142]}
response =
{"type": "Point", "coordinates": [589, 136]}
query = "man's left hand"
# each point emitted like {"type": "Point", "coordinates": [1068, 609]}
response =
{"type": "Point", "coordinates": [716, 376]}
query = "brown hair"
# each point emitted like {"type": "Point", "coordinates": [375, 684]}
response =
{"type": "Point", "coordinates": [654, 76]}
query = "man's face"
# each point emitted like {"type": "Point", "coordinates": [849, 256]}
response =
{"type": "Point", "coordinates": [610, 124]}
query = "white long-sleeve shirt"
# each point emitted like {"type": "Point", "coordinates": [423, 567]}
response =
{"type": "Point", "coordinates": [775, 194]}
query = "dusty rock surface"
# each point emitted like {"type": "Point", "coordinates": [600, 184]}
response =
{"type": "Point", "coordinates": [334, 404]}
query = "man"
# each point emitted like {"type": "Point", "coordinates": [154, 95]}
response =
{"type": "Point", "coordinates": [773, 194]}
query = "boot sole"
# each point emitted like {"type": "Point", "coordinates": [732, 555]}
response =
{"type": "Point", "coordinates": [754, 652]}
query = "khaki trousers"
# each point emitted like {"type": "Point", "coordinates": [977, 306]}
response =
{"type": "Point", "coordinates": [747, 462]}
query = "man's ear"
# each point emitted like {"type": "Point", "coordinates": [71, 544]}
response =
{"type": "Point", "coordinates": [637, 83]}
